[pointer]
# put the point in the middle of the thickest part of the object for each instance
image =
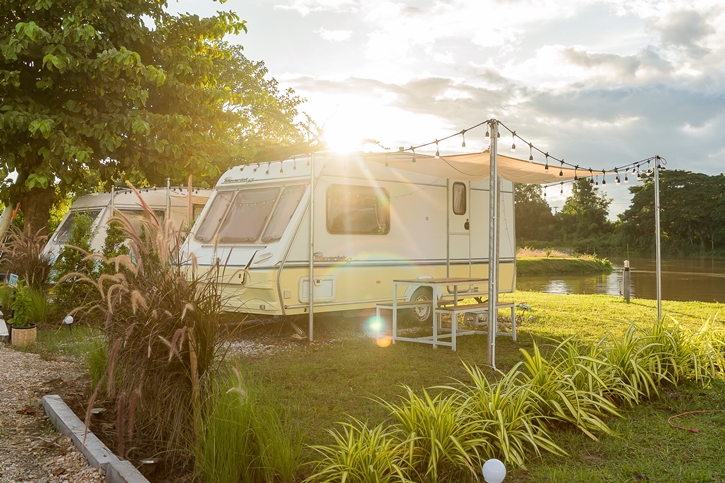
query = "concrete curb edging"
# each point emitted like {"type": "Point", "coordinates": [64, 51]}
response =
{"type": "Point", "coordinates": [98, 454]}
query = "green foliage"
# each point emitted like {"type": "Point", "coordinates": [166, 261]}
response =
{"type": "Point", "coordinates": [71, 294]}
{"type": "Point", "coordinates": [692, 215]}
{"type": "Point", "coordinates": [97, 363]}
{"type": "Point", "coordinates": [127, 90]}
{"type": "Point", "coordinates": [584, 214]}
{"type": "Point", "coordinates": [243, 439]}
{"type": "Point", "coordinates": [436, 433]}
{"type": "Point", "coordinates": [534, 220]}
{"type": "Point", "coordinates": [361, 454]}
{"type": "Point", "coordinates": [29, 305]}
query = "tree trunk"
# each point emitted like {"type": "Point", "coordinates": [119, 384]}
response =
{"type": "Point", "coordinates": [35, 205]}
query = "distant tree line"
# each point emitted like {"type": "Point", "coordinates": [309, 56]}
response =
{"type": "Point", "coordinates": [692, 217]}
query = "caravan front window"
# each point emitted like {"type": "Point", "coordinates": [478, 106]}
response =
{"type": "Point", "coordinates": [242, 216]}
{"type": "Point", "coordinates": [65, 229]}
{"type": "Point", "coordinates": [361, 210]}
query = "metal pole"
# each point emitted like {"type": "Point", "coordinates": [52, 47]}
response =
{"type": "Point", "coordinates": [168, 199]}
{"type": "Point", "coordinates": [658, 254]}
{"type": "Point", "coordinates": [492, 246]}
{"type": "Point", "coordinates": [626, 281]}
{"type": "Point", "coordinates": [312, 246]}
{"type": "Point", "coordinates": [448, 228]}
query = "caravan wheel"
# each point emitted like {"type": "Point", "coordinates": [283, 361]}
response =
{"type": "Point", "coordinates": [421, 315]}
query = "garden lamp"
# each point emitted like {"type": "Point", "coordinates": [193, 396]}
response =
{"type": "Point", "coordinates": [494, 471]}
{"type": "Point", "coordinates": [69, 321]}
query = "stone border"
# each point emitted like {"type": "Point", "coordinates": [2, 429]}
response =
{"type": "Point", "coordinates": [98, 454]}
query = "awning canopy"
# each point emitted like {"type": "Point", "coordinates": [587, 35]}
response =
{"type": "Point", "coordinates": [475, 166]}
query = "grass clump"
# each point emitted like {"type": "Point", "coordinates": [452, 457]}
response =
{"type": "Point", "coordinates": [243, 439]}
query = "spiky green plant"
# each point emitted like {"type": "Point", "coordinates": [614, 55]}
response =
{"type": "Point", "coordinates": [505, 416]}
{"type": "Point", "coordinates": [553, 384]}
{"type": "Point", "coordinates": [437, 433]}
{"type": "Point", "coordinates": [360, 454]}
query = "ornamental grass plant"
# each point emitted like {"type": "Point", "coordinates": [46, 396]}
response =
{"type": "Point", "coordinates": [162, 328]}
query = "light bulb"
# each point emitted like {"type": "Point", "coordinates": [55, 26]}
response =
{"type": "Point", "coordinates": [626, 180]}
{"type": "Point", "coordinates": [463, 133]}
{"type": "Point", "coordinates": [493, 471]}
{"type": "Point", "coordinates": [438, 154]}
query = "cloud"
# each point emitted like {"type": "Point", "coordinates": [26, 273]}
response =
{"type": "Point", "coordinates": [334, 35]}
{"type": "Point", "coordinates": [685, 29]}
{"type": "Point", "coordinates": [305, 7]}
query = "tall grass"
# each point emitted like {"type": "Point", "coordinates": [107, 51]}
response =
{"type": "Point", "coordinates": [243, 439]}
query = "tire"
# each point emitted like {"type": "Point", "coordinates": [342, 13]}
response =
{"type": "Point", "coordinates": [420, 315]}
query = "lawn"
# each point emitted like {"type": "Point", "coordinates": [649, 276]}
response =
{"type": "Point", "coordinates": [344, 372]}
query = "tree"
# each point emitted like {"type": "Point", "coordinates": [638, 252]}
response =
{"type": "Point", "coordinates": [584, 214]}
{"type": "Point", "coordinates": [534, 220]}
{"type": "Point", "coordinates": [127, 91]}
{"type": "Point", "coordinates": [692, 212]}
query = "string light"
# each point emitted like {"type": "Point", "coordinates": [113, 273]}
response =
{"type": "Point", "coordinates": [463, 133]}
{"type": "Point", "coordinates": [531, 152]}
{"type": "Point", "coordinates": [513, 142]}
{"type": "Point", "coordinates": [626, 180]}
{"type": "Point", "coordinates": [561, 169]}
{"type": "Point", "coordinates": [604, 179]}
{"type": "Point", "coordinates": [597, 180]}
{"type": "Point", "coordinates": [255, 168]}
{"type": "Point", "coordinates": [386, 160]}
{"type": "Point", "coordinates": [544, 191]}
{"type": "Point", "coordinates": [268, 165]}
{"type": "Point", "coordinates": [294, 163]}
{"type": "Point", "coordinates": [438, 154]}
{"type": "Point", "coordinates": [498, 134]}
{"type": "Point", "coordinates": [576, 178]}
{"type": "Point", "coordinates": [281, 165]}
{"type": "Point", "coordinates": [561, 191]}
{"type": "Point", "coordinates": [487, 135]}
{"type": "Point", "coordinates": [411, 148]}
{"type": "Point", "coordinates": [546, 168]}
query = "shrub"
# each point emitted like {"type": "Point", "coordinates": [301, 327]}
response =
{"type": "Point", "coordinates": [71, 294]}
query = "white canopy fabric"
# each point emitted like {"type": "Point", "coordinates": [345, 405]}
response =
{"type": "Point", "coordinates": [476, 166]}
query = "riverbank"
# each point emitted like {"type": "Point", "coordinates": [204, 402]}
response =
{"type": "Point", "coordinates": [561, 266]}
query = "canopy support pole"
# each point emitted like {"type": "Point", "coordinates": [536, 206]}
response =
{"type": "Point", "coordinates": [311, 282]}
{"type": "Point", "coordinates": [658, 254]}
{"type": "Point", "coordinates": [493, 247]}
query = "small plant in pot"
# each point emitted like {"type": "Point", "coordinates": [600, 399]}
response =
{"type": "Point", "coordinates": [23, 321]}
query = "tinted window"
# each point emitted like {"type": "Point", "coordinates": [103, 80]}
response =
{"type": "Point", "coordinates": [247, 215]}
{"type": "Point", "coordinates": [286, 207]}
{"type": "Point", "coordinates": [360, 210]}
{"type": "Point", "coordinates": [459, 198]}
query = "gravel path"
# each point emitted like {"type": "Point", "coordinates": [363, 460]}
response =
{"type": "Point", "coordinates": [31, 450]}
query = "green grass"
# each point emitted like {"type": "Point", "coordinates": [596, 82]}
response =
{"type": "Point", "coordinates": [558, 266]}
{"type": "Point", "coordinates": [343, 372]}
{"type": "Point", "coordinates": [76, 344]}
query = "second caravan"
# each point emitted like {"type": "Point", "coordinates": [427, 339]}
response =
{"type": "Point", "coordinates": [373, 218]}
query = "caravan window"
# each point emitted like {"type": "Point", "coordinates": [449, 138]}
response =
{"type": "Point", "coordinates": [242, 216]}
{"type": "Point", "coordinates": [247, 215]}
{"type": "Point", "coordinates": [65, 230]}
{"type": "Point", "coordinates": [361, 210]}
{"type": "Point", "coordinates": [459, 198]}
{"type": "Point", "coordinates": [286, 207]}
{"type": "Point", "coordinates": [137, 217]}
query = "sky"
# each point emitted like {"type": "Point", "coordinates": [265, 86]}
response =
{"type": "Point", "coordinates": [598, 83]}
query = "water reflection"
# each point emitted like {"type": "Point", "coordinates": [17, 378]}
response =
{"type": "Point", "coordinates": [700, 279]}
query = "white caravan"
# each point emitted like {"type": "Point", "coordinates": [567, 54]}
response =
{"type": "Point", "coordinates": [375, 218]}
{"type": "Point", "coordinates": [98, 206]}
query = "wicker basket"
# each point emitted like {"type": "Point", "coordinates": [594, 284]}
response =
{"type": "Point", "coordinates": [23, 336]}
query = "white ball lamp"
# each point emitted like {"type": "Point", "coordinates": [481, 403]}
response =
{"type": "Point", "coordinates": [494, 471]}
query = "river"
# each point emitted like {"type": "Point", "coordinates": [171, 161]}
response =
{"type": "Point", "coordinates": [682, 279]}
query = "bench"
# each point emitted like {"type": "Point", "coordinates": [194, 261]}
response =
{"type": "Point", "coordinates": [455, 310]}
